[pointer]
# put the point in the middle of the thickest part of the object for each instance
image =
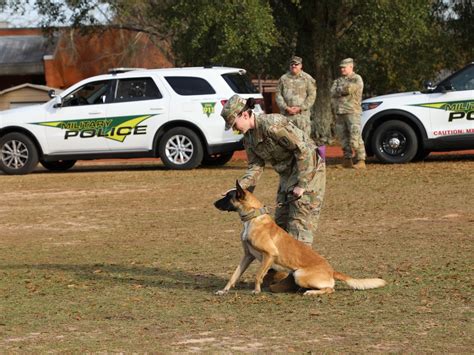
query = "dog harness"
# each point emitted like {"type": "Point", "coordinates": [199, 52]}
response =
{"type": "Point", "coordinates": [253, 214]}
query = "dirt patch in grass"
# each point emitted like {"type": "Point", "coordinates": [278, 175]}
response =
{"type": "Point", "coordinates": [126, 258]}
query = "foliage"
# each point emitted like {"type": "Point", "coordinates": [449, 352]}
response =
{"type": "Point", "coordinates": [231, 33]}
{"type": "Point", "coordinates": [455, 18]}
{"type": "Point", "coordinates": [396, 44]}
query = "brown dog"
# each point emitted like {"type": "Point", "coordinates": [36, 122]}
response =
{"type": "Point", "coordinates": [264, 240]}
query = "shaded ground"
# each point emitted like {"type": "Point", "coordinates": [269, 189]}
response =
{"type": "Point", "coordinates": [123, 258]}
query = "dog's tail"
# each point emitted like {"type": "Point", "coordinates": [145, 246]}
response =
{"type": "Point", "coordinates": [359, 284]}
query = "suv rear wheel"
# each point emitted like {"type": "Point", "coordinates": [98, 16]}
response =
{"type": "Point", "coordinates": [395, 142]}
{"type": "Point", "coordinates": [180, 148]}
{"type": "Point", "coordinates": [18, 154]}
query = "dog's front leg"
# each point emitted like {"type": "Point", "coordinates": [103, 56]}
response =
{"type": "Point", "coordinates": [244, 264]}
{"type": "Point", "coordinates": [267, 262]}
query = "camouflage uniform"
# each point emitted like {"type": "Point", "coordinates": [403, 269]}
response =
{"type": "Point", "coordinates": [346, 93]}
{"type": "Point", "coordinates": [293, 156]}
{"type": "Point", "coordinates": [300, 91]}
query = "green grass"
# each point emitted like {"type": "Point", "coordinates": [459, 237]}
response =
{"type": "Point", "coordinates": [127, 258]}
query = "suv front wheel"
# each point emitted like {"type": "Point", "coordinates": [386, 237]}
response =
{"type": "Point", "coordinates": [180, 148]}
{"type": "Point", "coordinates": [395, 142]}
{"type": "Point", "coordinates": [18, 154]}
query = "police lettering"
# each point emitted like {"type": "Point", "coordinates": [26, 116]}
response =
{"type": "Point", "coordinates": [102, 132]}
{"type": "Point", "coordinates": [458, 115]}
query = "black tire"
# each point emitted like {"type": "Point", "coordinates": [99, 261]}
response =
{"type": "Point", "coordinates": [395, 142]}
{"type": "Point", "coordinates": [59, 165]}
{"type": "Point", "coordinates": [422, 154]}
{"type": "Point", "coordinates": [217, 159]}
{"type": "Point", "coordinates": [18, 154]}
{"type": "Point", "coordinates": [180, 148]}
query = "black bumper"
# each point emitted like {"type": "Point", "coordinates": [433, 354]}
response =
{"type": "Point", "coordinates": [225, 148]}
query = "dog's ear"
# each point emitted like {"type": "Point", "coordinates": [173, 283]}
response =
{"type": "Point", "coordinates": [240, 192]}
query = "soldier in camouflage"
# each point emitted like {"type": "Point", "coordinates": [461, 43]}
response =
{"type": "Point", "coordinates": [292, 153]}
{"type": "Point", "coordinates": [296, 94]}
{"type": "Point", "coordinates": [346, 94]}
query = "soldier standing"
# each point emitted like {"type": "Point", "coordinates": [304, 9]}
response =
{"type": "Point", "coordinates": [292, 153]}
{"type": "Point", "coordinates": [346, 93]}
{"type": "Point", "coordinates": [296, 94]}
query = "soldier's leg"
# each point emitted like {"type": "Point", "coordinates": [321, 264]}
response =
{"type": "Point", "coordinates": [302, 122]}
{"type": "Point", "coordinates": [303, 217]}
{"type": "Point", "coordinates": [342, 131]}
{"type": "Point", "coordinates": [306, 124]}
{"type": "Point", "coordinates": [281, 213]}
{"type": "Point", "coordinates": [281, 218]}
{"type": "Point", "coordinates": [356, 141]}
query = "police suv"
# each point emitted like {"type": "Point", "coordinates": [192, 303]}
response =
{"type": "Point", "coordinates": [170, 113]}
{"type": "Point", "coordinates": [402, 127]}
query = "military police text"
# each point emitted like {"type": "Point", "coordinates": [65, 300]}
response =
{"type": "Point", "coordinates": [102, 132]}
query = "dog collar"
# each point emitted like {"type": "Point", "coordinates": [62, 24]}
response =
{"type": "Point", "coordinates": [253, 214]}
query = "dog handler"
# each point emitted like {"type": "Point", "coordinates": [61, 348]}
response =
{"type": "Point", "coordinates": [272, 138]}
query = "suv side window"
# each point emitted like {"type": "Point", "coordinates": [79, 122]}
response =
{"type": "Point", "coordinates": [188, 85]}
{"type": "Point", "coordinates": [136, 89]}
{"type": "Point", "coordinates": [464, 80]}
{"type": "Point", "coordinates": [89, 94]}
{"type": "Point", "coordinates": [240, 83]}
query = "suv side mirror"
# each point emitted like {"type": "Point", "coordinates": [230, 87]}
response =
{"type": "Point", "coordinates": [58, 101]}
{"type": "Point", "coordinates": [428, 85]}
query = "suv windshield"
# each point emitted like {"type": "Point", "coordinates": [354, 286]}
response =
{"type": "Point", "coordinates": [463, 80]}
{"type": "Point", "coordinates": [240, 83]}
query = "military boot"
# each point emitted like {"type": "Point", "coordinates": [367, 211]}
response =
{"type": "Point", "coordinates": [359, 165]}
{"type": "Point", "coordinates": [286, 285]}
{"type": "Point", "coordinates": [347, 163]}
{"type": "Point", "coordinates": [272, 277]}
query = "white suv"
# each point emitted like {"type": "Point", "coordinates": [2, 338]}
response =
{"type": "Point", "coordinates": [171, 113]}
{"type": "Point", "coordinates": [402, 127]}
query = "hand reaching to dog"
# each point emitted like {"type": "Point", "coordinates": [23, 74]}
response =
{"type": "Point", "coordinates": [298, 191]}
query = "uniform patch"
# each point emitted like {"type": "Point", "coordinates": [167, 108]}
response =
{"type": "Point", "coordinates": [285, 142]}
{"type": "Point", "coordinates": [284, 138]}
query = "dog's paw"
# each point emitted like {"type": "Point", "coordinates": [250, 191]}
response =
{"type": "Point", "coordinates": [256, 292]}
{"type": "Point", "coordinates": [220, 292]}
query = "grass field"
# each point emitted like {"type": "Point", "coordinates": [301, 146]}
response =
{"type": "Point", "coordinates": [126, 258]}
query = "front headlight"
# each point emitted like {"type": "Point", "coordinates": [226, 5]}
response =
{"type": "Point", "coordinates": [370, 105]}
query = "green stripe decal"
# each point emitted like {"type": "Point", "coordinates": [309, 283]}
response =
{"type": "Point", "coordinates": [457, 106]}
{"type": "Point", "coordinates": [109, 126]}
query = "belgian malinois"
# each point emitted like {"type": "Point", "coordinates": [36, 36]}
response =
{"type": "Point", "coordinates": [264, 240]}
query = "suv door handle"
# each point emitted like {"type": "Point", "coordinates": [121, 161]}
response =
{"type": "Point", "coordinates": [156, 109]}
{"type": "Point", "coordinates": [95, 113]}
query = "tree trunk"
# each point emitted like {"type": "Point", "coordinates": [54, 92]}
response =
{"type": "Point", "coordinates": [317, 40]}
{"type": "Point", "coordinates": [322, 116]}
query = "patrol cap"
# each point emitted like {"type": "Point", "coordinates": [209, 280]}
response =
{"type": "Point", "coordinates": [346, 62]}
{"type": "Point", "coordinates": [231, 109]}
{"type": "Point", "coordinates": [296, 59]}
